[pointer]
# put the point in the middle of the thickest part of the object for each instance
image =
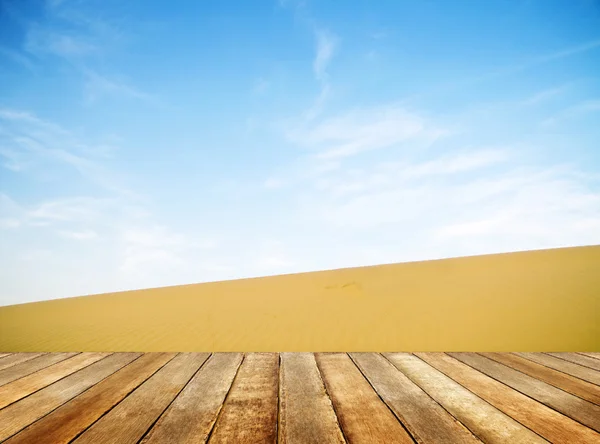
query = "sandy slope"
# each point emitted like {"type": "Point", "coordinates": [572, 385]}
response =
{"type": "Point", "coordinates": [540, 300]}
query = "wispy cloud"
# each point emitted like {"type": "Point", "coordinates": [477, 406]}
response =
{"type": "Point", "coordinates": [29, 143]}
{"type": "Point", "coordinates": [81, 235]}
{"type": "Point", "coordinates": [326, 45]}
{"type": "Point", "coordinates": [362, 130]}
{"type": "Point", "coordinates": [544, 96]}
{"type": "Point", "coordinates": [18, 58]}
{"type": "Point", "coordinates": [574, 111]}
{"type": "Point", "coordinates": [260, 86]}
{"type": "Point", "coordinates": [97, 86]}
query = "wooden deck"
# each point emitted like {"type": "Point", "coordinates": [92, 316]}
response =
{"type": "Point", "coordinates": [299, 397]}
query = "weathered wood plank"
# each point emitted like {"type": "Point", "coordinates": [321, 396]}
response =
{"type": "Point", "coordinates": [31, 366]}
{"type": "Point", "coordinates": [550, 424]}
{"type": "Point", "coordinates": [485, 421]}
{"type": "Point", "coordinates": [364, 417]}
{"type": "Point", "coordinates": [72, 418]}
{"type": "Point", "coordinates": [594, 355]}
{"type": "Point", "coordinates": [249, 414]}
{"type": "Point", "coordinates": [306, 414]}
{"type": "Point", "coordinates": [16, 358]}
{"type": "Point", "coordinates": [424, 418]}
{"type": "Point", "coordinates": [585, 373]}
{"type": "Point", "coordinates": [576, 358]}
{"type": "Point", "coordinates": [24, 412]}
{"type": "Point", "coordinates": [579, 409]}
{"type": "Point", "coordinates": [20, 388]}
{"type": "Point", "coordinates": [568, 383]}
{"type": "Point", "coordinates": [132, 417]}
{"type": "Point", "coordinates": [190, 418]}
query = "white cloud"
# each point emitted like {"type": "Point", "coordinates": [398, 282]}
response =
{"type": "Point", "coordinates": [260, 86]}
{"type": "Point", "coordinates": [573, 112]}
{"type": "Point", "coordinates": [326, 46]}
{"type": "Point", "coordinates": [363, 130]}
{"type": "Point", "coordinates": [97, 85]}
{"type": "Point", "coordinates": [543, 96]}
{"type": "Point", "coordinates": [81, 235]}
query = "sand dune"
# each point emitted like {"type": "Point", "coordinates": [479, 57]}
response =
{"type": "Point", "coordinates": [546, 300]}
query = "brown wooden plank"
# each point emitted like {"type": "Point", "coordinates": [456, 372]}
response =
{"type": "Point", "coordinates": [594, 355]}
{"type": "Point", "coordinates": [550, 424]}
{"type": "Point", "coordinates": [424, 418]}
{"type": "Point", "coordinates": [306, 414]}
{"type": "Point", "coordinates": [20, 388]}
{"type": "Point", "coordinates": [576, 358]}
{"type": "Point", "coordinates": [568, 383]}
{"type": "Point", "coordinates": [190, 418]}
{"type": "Point", "coordinates": [16, 358]}
{"type": "Point", "coordinates": [72, 418]}
{"type": "Point", "coordinates": [364, 417]}
{"type": "Point", "coordinates": [17, 416]}
{"type": "Point", "coordinates": [579, 409]}
{"type": "Point", "coordinates": [249, 414]}
{"type": "Point", "coordinates": [31, 366]}
{"type": "Point", "coordinates": [485, 421]}
{"type": "Point", "coordinates": [132, 417]}
{"type": "Point", "coordinates": [585, 373]}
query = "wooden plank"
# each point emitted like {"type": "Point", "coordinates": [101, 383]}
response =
{"type": "Point", "coordinates": [364, 417]}
{"type": "Point", "coordinates": [31, 366]}
{"type": "Point", "coordinates": [2, 355]}
{"type": "Point", "coordinates": [587, 374]}
{"type": "Point", "coordinates": [594, 355]}
{"type": "Point", "coordinates": [72, 418]}
{"type": "Point", "coordinates": [20, 388]}
{"type": "Point", "coordinates": [132, 417]}
{"type": "Point", "coordinates": [249, 414]}
{"type": "Point", "coordinates": [190, 418]}
{"type": "Point", "coordinates": [424, 418]}
{"type": "Point", "coordinates": [17, 416]}
{"type": "Point", "coordinates": [576, 358]}
{"type": "Point", "coordinates": [568, 383]}
{"type": "Point", "coordinates": [306, 414]}
{"type": "Point", "coordinates": [579, 409]}
{"type": "Point", "coordinates": [550, 424]}
{"type": "Point", "coordinates": [487, 422]}
{"type": "Point", "coordinates": [16, 358]}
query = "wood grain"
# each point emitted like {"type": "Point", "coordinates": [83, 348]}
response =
{"type": "Point", "coordinates": [190, 418]}
{"type": "Point", "coordinates": [585, 373]}
{"type": "Point", "coordinates": [364, 417]}
{"type": "Point", "coordinates": [576, 358]}
{"type": "Point", "coordinates": [249, 414]}
{"type": "Point", "coordinates": [72, 418]}
{"type": "Point", "coordinates": [31, 366]}
{"type": "Point", "coordinates": [2, 355]}
{"type": "Point", "coordinates": [20, 388]}
{"type": "Point", "coordinates": [568, 383]}
{"type": "Point", "coordinates": [595, 355]}
{"type": "Point", "coordinates": [485, 421]}
{"type": "Point", "coordinates": [583, 411]}
{"type": "Point", "coordinates": [424, 418]}
{"type": "Point", "coordinates": [305, 411]}
{"type": "Point", "coordinates": [132, 417]}
{"type": "Point", "coordinates": [550, 424]}
{"type": "Point", "coordinates": [22, 413]}
{"type": "Point", "coordinates": [16, 358]}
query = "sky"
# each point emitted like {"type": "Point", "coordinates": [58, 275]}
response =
{"type": "Point", "coordinates": [146, 144]}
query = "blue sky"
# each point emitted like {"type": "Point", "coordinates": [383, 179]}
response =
{"type": "Point", "coordinates": [145, 144]}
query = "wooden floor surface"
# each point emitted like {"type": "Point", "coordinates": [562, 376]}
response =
{"type": "Point", "coordinates": [300, 397]}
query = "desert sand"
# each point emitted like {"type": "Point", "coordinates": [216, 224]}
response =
{"type": "Point", "coordinates": [546, 300]}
